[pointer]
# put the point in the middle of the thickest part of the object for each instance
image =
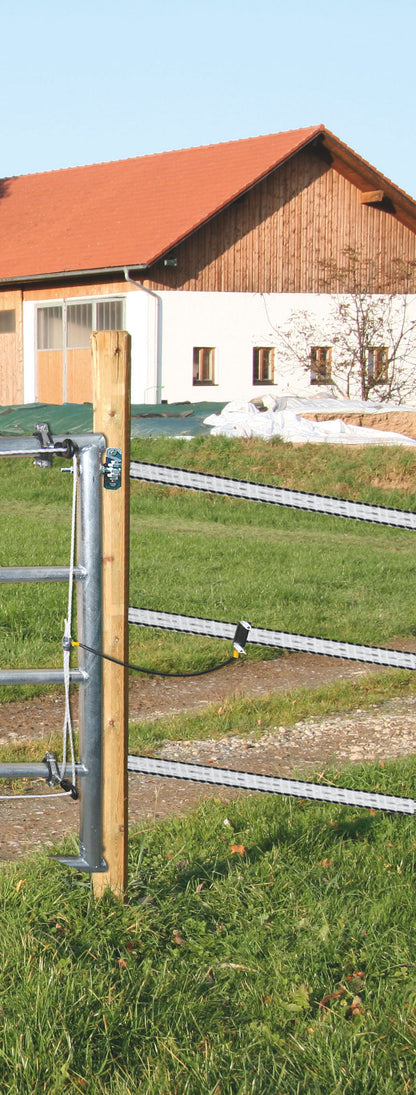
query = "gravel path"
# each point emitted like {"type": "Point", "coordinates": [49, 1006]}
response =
{"type": "Point", "coordinates": [380, 732]}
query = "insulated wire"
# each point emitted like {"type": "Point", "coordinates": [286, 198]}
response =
{"type": "Point", "coordinates": [155, 672]}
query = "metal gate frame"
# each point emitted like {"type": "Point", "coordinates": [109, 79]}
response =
{"type": "Point", "coordinates": [88, 449]}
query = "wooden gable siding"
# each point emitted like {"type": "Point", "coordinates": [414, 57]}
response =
{"type": "Point", "coordinates": [281, 236]}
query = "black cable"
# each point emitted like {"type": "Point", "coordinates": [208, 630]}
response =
{"type": "Point", "coordinates": [155, 672]}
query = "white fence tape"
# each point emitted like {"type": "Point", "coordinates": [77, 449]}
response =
{"type": "Point", "coordinates": [336, 507]}
{"type": "Point", "coordinates": [308, 644]}
{"type": "Point", "coordinates": [272, 785]}
{"type": "Point", "coordinates": [316, 503]}
{"type": "Point", "coordinates": [277, 496]}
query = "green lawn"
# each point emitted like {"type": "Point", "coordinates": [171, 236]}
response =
{"type": "Point", "coordinates": [266, 947]}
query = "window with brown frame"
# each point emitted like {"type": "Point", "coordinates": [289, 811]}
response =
{"type": "Point", "coordinates": [263, 365]}
{"type": "Point", "coordinates": [204, 365]}
{"type": "Point", "coordinates": [321, 361]}
{"type": "Point", "coordinates": [377, 365]}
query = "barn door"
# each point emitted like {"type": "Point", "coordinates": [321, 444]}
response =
{"type": "Point", "coordinates": [64, 350]}
{"type": "Point", "coordinates": [78, 375]}
{"type": "Point", "coordinates": [50, 355]}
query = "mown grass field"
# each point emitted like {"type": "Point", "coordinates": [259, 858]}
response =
{"type": "Point", "coordinates": [266, 946]}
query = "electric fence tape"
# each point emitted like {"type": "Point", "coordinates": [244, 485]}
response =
{"type": "Point", "coordinates": [316, 503]}
{"type": "Point", "coordinates": [284, 640]}
{"type": "Point", "coordinates": [251, 781]}
{"type": "Point", "coordinates": [280, 496]}
{"type": "Point", "coordinates": [277, 496]}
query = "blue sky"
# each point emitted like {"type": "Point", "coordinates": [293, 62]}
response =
{"type": "Point", "coordinates": [91, 80]}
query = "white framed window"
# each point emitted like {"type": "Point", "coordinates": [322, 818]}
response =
{"type": "Point", "coordinates": [70, 324]}
{"type": "Point", "coordinates": [203, 365]}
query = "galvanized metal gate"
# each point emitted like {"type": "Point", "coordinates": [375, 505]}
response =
{"type": "Point", "coordinates": [88, 450]}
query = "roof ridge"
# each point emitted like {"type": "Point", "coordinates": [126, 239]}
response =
{"type": "Point", "coordinates": [166, 152]}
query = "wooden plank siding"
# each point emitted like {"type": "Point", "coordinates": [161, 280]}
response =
{"type": "Point", "coordinates": [50, 376]}
{"type": "Point", "coordinates": [93, 287]}
{"type": "Point", "coordinates": [280, 237]}
{"type": "Point", "coordinates": [11, 352]}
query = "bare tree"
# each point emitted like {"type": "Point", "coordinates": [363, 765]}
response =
{"type": "Point", "coordinates": [365, 346]}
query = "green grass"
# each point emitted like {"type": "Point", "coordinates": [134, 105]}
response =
{"type": "Point", "coordinates": [291, 572]}
{"type": "Point", "coordinates": [368, 474]}
{"type": "Point", "coordinates": [266, 947]}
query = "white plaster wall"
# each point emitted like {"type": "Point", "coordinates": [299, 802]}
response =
{"type": "Point", "coordinates": [233, 323]}
{"type": "Point", "coordinates": [142, 324]}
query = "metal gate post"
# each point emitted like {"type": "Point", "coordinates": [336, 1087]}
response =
{"type": "Point", "coordinates": [90, 856]}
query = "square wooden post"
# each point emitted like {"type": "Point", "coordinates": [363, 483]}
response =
{"type": "Point", "coordinates": [111, 355]}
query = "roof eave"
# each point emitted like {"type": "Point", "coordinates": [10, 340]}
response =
{"type": "Point", "coordinates": [70, 275]}
{"type": "Point", "coordinates": [366, 177]}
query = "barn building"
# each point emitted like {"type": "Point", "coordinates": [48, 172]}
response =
{"type": "Point", "coordinates": [201, 254]}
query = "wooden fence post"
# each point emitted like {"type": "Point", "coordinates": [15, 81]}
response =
{"type": "Point", "coordinates": [111, 353]}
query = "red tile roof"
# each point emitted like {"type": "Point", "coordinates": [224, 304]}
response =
{"type": "Point", "coordinates": [130, 212]}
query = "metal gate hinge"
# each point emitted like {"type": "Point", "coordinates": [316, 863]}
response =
{"type": "Point", "coordinates": [44, 436]}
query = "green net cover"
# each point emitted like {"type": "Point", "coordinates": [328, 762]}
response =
{"type": "Point", "coordinates": [147, 420]}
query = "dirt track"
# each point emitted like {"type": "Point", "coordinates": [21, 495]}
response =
{"type": "Point", "coordinates": [382, 731]}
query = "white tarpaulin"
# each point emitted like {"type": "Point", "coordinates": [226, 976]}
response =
{"type": "Point", "coordinates": [240, 419]}
{"type": "Point", "coordinates": [330, 405]}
